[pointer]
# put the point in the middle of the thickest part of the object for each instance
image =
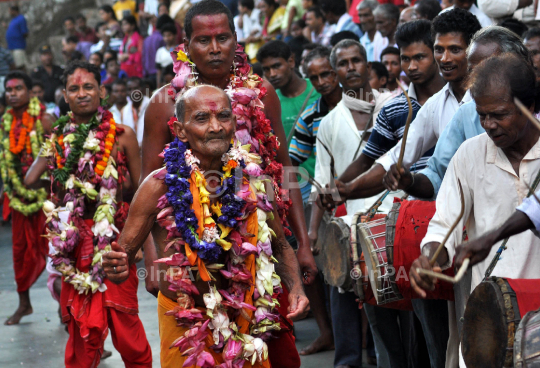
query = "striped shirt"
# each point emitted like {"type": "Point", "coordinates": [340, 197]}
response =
{"type": "Point", "coordinates": [305, 132]}
{"type": "Point", "coordinates": [389, 128]}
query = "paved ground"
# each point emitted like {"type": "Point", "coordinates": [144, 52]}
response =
{"type": "Point", "coordinates": [40, 339]}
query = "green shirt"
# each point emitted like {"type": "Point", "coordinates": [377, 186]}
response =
{"type": "Point", "coordinates": [290, 110]}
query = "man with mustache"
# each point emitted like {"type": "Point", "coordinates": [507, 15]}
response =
{"type": "Point", "coordinates": [215, 58]}
{"type": "Point", "coordinates": [302, 149]}
{"type": "Point", "coordinates": [452, 33]}
{"type": "Point", "coordinates": [495, 170]}
{"type": "Point", "coordinates": [466, 122]}
{"type": "Point", "coordinates": [417, 60]}
{"type": "Point", "coordinates": [22, 131]}
{"type": "Point", "coordinates": [194, 223]}
{"type": "Point", "coordinates": [294, 92]}
{"type": "Point", "coordinates": [211, 46]}
{"type": "Point", "coordinates": [343, 132]}
{"type": "Point", "coordinates": [87, 180]}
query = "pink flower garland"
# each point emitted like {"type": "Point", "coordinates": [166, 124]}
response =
{"type": "Point", "coordinates": [246, 93]}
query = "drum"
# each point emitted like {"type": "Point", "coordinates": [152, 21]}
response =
{"type": "Point", "coordinates": [407, 225]}
{"type": "Point", "coordinates": [372, 238]}
{"type": "Point", "coordinates": [491, 318]}
{"type": "Point", "coordinates": [490, 322]}
{"type": "Point", "coordinates": [527, 342]}
{"type": "Point", "coordinates": [336, 253]}
{"type": "Point", "coordinates": [391, 244]}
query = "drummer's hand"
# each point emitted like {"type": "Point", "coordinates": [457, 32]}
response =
{"type": "Point", "coordinates": [476, 250]}
{"type": "Point", "coordinates": [421, 283]}
{"type": "Point", "coordinates": [394, 179]}
{"type": "Point", "coordinates": [336, 196]}
{"type": "Point", "coordinates": [115, 264]}
{"type": "Point", "coordinates": [307, 264]}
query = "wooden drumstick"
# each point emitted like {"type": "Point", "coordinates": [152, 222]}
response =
{"type": "Point", "coordinates": [407, 125]}
{"type": "Point", "coordinates": [452, 228]}
{"type": "Point", "coordinates": [442, 276]}
{"type": "Point", "coordinates": [527, 113]}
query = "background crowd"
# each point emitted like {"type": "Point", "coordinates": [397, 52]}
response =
{"type": "Point", "coordinates": [133, 41]}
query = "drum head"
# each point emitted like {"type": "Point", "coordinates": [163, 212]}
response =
{"type": "Point", "coordinates": [336, 254]}
{"type": "Point", "coordinates": [485, 331]}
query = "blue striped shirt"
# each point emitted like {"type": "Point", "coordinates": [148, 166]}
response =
{"type": "Point", "coordinates": [389, 128]}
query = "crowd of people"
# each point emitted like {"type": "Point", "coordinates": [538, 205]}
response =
{"type": "Point", "coordinates": [217, 139]}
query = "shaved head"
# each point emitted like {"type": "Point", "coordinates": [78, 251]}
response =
{"type": "Point", "coordinates": [205, 121]}
{"type": "Point", "coordinates": [182, 98]}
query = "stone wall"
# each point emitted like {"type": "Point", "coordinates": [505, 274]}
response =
{"type": "Point", "coordinates": [45, 21]}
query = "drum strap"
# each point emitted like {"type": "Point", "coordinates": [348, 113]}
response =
{"type": "Point", "coordinates": [497, 256]}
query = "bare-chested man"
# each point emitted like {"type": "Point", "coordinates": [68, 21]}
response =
{"type": "Point", "coordinates": [90, 156]}
{"type": "Point", "coordinates": [210, 44]}
{"type": "Point", "coordinates": [198, 229]}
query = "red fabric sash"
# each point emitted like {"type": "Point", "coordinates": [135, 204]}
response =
{"type": "Point", "coordinates": [30, 248]}
{"type": "Point", "coordinates": [527, 294]}
{"type": "Point", "coordinates": [282, 350]}
{"type": "Point", "coordinates": [411, 227]}
{"type": "Point", "coordinates": [88, 310]}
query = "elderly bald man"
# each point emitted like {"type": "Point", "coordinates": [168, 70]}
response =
{"type": "Point", "coordinates": [216, 235]}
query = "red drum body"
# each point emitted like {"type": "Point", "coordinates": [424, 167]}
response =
{"type": "Point", "coordinates": [390, 244]}
{"type": "Point", "coordinates": [407, 224]}
{"type": "Point", "coordinates": [491, 318]}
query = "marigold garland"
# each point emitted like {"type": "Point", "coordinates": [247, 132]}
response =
{"type": "Point", "coordinates": [21, 145]}
{"type": "Point", "coordinates": [224, 229]}
{"type": "Point", "coordinates": [81, 153]}
{"type": "Point", "coordinates": [67, 158]}
{"type": "Point", "coordinates": [246, 92]}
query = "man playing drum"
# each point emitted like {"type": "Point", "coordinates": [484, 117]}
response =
{"type": "Point", "coordinates": [341, 134]}
{"type": "Point", "coordinates": [495, 171]}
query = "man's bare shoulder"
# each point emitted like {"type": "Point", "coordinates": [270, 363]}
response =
{"type": "Point", "coordinates": [161, 97]}
{"type": "Point", "coordinates": [151, 189]}
{"type": "Point", "coordinates": [128, 135]}
{"type": "Point", "coordinates": [47, 123]}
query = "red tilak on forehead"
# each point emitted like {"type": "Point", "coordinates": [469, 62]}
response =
{"type": "Point", "coordinates": [12, 83]}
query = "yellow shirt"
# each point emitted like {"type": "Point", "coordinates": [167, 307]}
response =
{"type": "Point", "coordinates": [121, 7]}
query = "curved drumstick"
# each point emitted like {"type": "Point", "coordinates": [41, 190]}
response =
{"type": "Point", "coordinates": [407, 125]}
{"type": "Point", "coordinates": [527, 113]}
{"type": "Point", "coordinates": [452, 228]}
{"type": "Point", "coordinates": [442, 276]}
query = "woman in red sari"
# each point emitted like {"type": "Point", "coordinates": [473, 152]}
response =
{"type": "Point", "coordinates": [131, 49]}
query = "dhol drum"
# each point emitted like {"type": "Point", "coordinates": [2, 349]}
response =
{"type": "Point", "coordinates": [491, 318]}
{"type": "Point", "coordinates": [336, 252]}
{"type": "Point", "coordinates": [391, 244]}
{"type": "Point", "coordinates": [527, 342]}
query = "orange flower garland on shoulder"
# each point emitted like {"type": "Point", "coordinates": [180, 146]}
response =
{"type": "Point", "coordinates": [17, 145]}
{"type": "Point", "coordinates": [109, 142]}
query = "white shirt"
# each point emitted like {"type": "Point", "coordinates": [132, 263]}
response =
{"type": "Point", "coordinates": [126, 117]}
{"type": "Point", "coordinates": [114, 44]}
{"type": "Point", "coordinates": [492, 191]}
{"type": "Point", "coordinates": [375, 47]}
{"type": "Point", "coordinates": [497, 9]}
{"type": "Point", "coordinates": [426, 127]}
{"type": "Point", "coordinates": [482, 18]}
{"type": "Point", "coordinates": [340, 135]}
{"type": "Point", "coordinates": [163, 57]}
{"type": "Point", "coordinates": [250, 23]}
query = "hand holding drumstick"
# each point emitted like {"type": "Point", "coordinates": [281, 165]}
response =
{"type": "Point", "coordinates": [424, 272]}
